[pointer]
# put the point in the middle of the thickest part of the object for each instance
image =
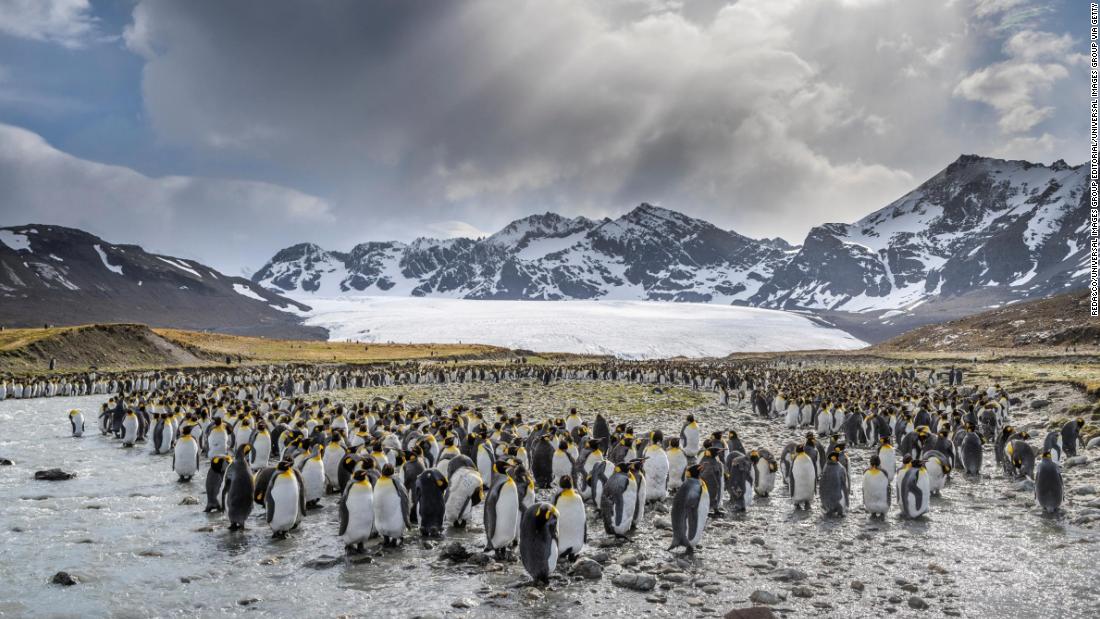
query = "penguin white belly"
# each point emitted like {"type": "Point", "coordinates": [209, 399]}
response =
{"type": "Point", "coordinates": [217, 444]}
{"type": "Point", "coordinates": [313, 478]}
{"type": "Point", "coordinates": [824, 422]}
{"type": "Point", "coordinates": [691, 441]}
{"type": "Point", "coordinates": [485, 465]}
{"type": "Point", "coordinates": [677, 463]}
{"type": "Point", "coordinates": [129, 430]}
{"type": "Point", "coordinates": [331, 461]}
{"type": "Point", "coordinates": [261, 450]}
{"type": "Point", "coordinates": [803, 473]}
{"type": "Point", "coordinates": [937, 478]}
{"type": "Point", "coordinates": [876, 488]}
{"type": "Point", "coordinates": [888, 462]}
{"type": "Point", "coordinates": [388, 516]}
{"type": "Point", "coordinates": [241, 436]}
{"type": "Point", "coordinates": [507, 516]}
{"type": "Point", "coordinates": [630, 501]}
{"type": "Point", "coordinates": [656, 475]}
{"type": "Point", "coordinates": [186, 458]}
{"type": "Point", "coordinates": [701, 513]}
{"type": "Point", "coordinates": [360, 506]}
{"type": "Point", "coordinates": [552, 560]}
{"type": "Point", "coordinates": [459, 506]}
{"type": "Point", "coordinates": [560, 465]}
{"type": "Point", "coordinates": [764, 479]}
{"type": "Point", "coordinates": [791, 418]}
{"type": "Point", "coordinates": [571, 519]}
{"type": "Point", "coordinates": [78, 424]}
{"type": "Point", "coordinates": [284, 496]}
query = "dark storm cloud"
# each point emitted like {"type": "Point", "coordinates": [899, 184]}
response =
{"type": "Point", "coordinates": [409, 117]}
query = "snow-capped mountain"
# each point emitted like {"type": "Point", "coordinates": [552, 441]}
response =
{"type": "Point", "coordinates": [58, 275]}
{"type": "Point", "coordinates": [1019, 227]}
{"type": "Point", "coordinates": [649, 253]}
{"type": "Point", "coordinates": [982, 231]}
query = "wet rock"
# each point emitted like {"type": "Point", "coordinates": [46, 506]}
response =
{"type": "Point", "coordinates": [712, 589]}
{"type": "Point", "coordinates": [1076, 461]}
{"type": "Point", "coordinates": [695, 601]}
{"type": "Point", "coordinates": [664, 524]}
{"type": "Point", "coordinates": [1086, 489]}
{"type": "Point", "coordinates": [53, 475]}
{"type": "Point", "coordinates": [600, 556]}
{"type": "Point", "coordinates": [656, 599]}
{"type": "Point", "coordinates": [1039, 403]}
{"type": "Point", "coordinates": [323, 562]}
{"type": "Point", "coordinates": [479, 559]}
{"type": "Point", "coordinates": [936, 568]}
{"type": "Point", "coordinates": [427, 544]}
{"type": "Point", "coordinates": [856, 585]}
{"type": "Point", "coordinates": [802, 592]}
{"type": "Point", "coordinates": [464, 603]}
{"type": "Point", "coordinates": [764, 597]}
{"type": "Point", "coordinates": [917, 603]}
{"type": "Point", "coordinates": [64, 579]}
{"type": "Point", "coordinates": [1093, 443]}
{"type": "Point", "coordinates": [533, 594]}
{"type": "Point", "coordinates": [455, 552]}
{"type": "Point", "coordinates": [631, 560]}
{"type": "Point", "coordinates": [151, 553]}
{"type": "Point", "coordinates": [189, 500]}
{"type": "Point", "coordinates": [758, 541]}
{"type": "Point", "coordinates": [788, 574]}
{"type": "Point", "coordinates": [1024, 485]}
{"type": "Point", "coordinates": [635, 582]}
{"type": "Point", "coordinates": [247, 601]}
{"type": "Point", "coordinates": [588, 569]}
{"type": "Point", "coordinates": [6, 462]}
{"type": "Point", "coordinates": [754, 612]}
{"type": "Point", "coordinates": [676, 577]}
{"type": "Point", "coordinates": [910, 588]}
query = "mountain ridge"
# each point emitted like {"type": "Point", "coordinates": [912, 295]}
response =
{"type": "Point", "coordinates": [986, 229]}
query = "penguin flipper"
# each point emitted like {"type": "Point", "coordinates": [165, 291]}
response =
{"type": "Point", "coordinates": [344, 515]}
{"type": "Point", "coordinates": [404, 502]}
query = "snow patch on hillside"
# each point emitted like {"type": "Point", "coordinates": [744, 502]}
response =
{"type": "Point", "coordinates": [627, 329]}
{"type": "Point", "coordinates": [15, 240]}
{"type": "Point", "coordinates": [103, 258]}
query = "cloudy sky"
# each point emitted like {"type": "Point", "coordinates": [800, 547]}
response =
{"type": "Point", "coordinates": [223, 130]}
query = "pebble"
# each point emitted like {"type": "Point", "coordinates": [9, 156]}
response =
{"type": "Point", "coordinates": [1040, 403]}
{"type": "Point", "coordinates": [247, 601]}
{"type": "Point", "coordinates": [532, 593]}
{"type": "Point", "coordinates": [588, 569]}
{"type": "Point", "coordinates": [5, 462]}
{"type": "Point", "coordinates": [64, 579]}
{"type": "Point", "coordinates": [464, 603]}
{"type": "Point", "coordinates": [1076, 461]}
{"type": "Point", "coordinates": [1093, 442]}
{"type": "Point", "coordinates": [455, 551]}
{"type": "Point", "coordinates": [676, 577]}
{"type": "Point", "coordinates": [1087, 489]}
{"type": "Point", "coordinates": [916, 602]}
{"type": "Point", "coordinates": [189, 500]}
{"type": "Point", "coordinates": [788, 574]}
{"type": "Point", "coordinates": [802, 592]}
{"type": "Point", "coordinates": [635, 582]}
{"type": "Point", "coordinates": [663, 524]}
{"type": "Point", "coordinates": [53, 475]}
{"type": "Point", "coordinates": [322, 563]}
{"type": "Point", "coordinates": [764, 597]}
{"type": "Point", "coordinates": [856, 585]}
{"type": "Point", "coordinates": [753, 612]}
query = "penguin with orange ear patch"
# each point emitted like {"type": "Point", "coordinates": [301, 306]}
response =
{"type": "Point", "coordinates": [538, 541]}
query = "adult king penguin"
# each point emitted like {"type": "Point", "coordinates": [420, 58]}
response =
{"type": "Point", "coordinates": [538, 541]}
{"type": "Point", "coordinates": [690, 507]}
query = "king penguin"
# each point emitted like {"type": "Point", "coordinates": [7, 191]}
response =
{"type": "Point", "coordinates": [238, 489]}
{"type": "Point", "coordinates": [185, 455]}
{"type": "Point", "coordinates": [429, 502]}
{"type": "Point", "coordinates": [690, 507]}
{"type": "Point", "coordinates": [803, 478]}
{"type": "Point", "coordinates": [501, 512]}
{"type": "Point", "coordinates": [76, 420]}
{"type": "Point", "coordinates": [876, 489]}
{"type": "Point", "coordinates": [391, 508]}
{"type": "Point", "coordinates": [1048, 484]}
{"type": "Point", "coordinates": [538, 541]}
{"type": "Point", "coordinates": [914, 490]}
{"type": "Point", "coordinates": [619, 500]}
{"type": "Point", "coordinates": [284, 499]}
{"type": "Point", "coordinates": [572, 521]}
{"type": "Point", "coordinates": [834, 486]}
{"type": "Point", "coordinates": [357, 511]}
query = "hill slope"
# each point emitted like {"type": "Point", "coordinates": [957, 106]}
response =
{"type": "Point", "coordinates": [1056, 322]}
{"type": "Point", "coordinates": [58, 275]}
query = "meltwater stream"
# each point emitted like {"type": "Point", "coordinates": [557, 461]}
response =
{"type": "Point", "coordinates": [120, 528]}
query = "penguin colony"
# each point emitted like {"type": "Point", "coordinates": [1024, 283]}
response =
{"type": "Point", "coordinates": [394, 467]}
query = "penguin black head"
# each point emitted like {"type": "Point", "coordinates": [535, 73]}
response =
{"type": "Point", "coordinates": [562, 445]}
{"type": "Point", "coordinates": [566, 482]}
{"type": "Point", "coordinates": [800, 449]}
{"type": "Point", "coordinates": [387, 471]}
{"type": "Point", "coordinates": [693, 471]}
{"type": "Point", "coordinates": [875, 462]}
{"type": "Point", "coordinates": [691, 418]}
{"type": "Point", "coordinates": [359, 475]}
{"type": "Point", "coordinates": [834, 456]}
{"type": "Point", "coordinates": [1080, 422]}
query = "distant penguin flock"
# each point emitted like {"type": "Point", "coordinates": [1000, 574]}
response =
{"type": "Point", "coordinates": [395, 466]}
